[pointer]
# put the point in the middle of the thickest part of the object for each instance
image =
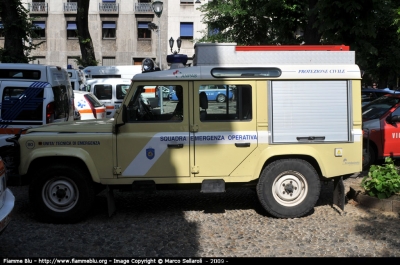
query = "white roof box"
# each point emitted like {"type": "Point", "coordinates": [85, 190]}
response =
{"type": "Point", "coordinates": [229, 54]}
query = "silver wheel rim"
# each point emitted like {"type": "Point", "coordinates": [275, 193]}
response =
{"type": "Point", "coordinates": [221, 98]}
{"type": "Point", "coordinates": [290, 188]}
{"type": "Point", "coordinates": [60, 194]}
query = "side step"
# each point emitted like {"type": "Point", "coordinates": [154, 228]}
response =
{"type": "Point", "coordinates": [213, 186]}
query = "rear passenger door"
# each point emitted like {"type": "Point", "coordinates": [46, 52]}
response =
{"type": "Point", "coordinates": [21, 105]}
{"type": "Point", "coordinates": [224, 131]}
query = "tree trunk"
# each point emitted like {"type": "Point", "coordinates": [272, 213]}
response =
{"type": "Point", "coordinates": [14, 34]}
{"type": "Point", "coordinates": [85, 41]}
{"type": "Point", "coordinates": [311, 34]}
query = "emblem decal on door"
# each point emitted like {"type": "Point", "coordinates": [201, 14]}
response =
{"type": "Point", "coordinates": [150, 153]}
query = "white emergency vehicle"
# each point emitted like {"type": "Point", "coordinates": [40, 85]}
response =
{"type": "Point", "coordinates": [33, 95]}
{"type": "Point", "coordinates": [294, 121]}
{"type": "Point", "coordinates": [77, 79]}
{"type": "Point", "coordinates": [110, 92]}
{"type": "Point", "coordinates": [113, 71]}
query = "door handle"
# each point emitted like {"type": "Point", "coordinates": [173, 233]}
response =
{"type": "Point", "coordinates": [311, 138]}
{"type": "Point", "coordinates": [175, 146]}
{"type": "Point", "coordinates": [242, 144]}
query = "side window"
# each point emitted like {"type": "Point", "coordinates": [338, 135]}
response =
{"type": "Point", "coordinates": [140, 108]}
{"type": "Point", "coordinates": [122, 90]}
{"type": "Point", "coordinates": [225, 103]}
{"type": "Point", "coordinates": [61, 102]}
{"type": "Point", "coordinates": [396, 112]}
{"type": "Point", "coordinates": [103, 91]}
{"type": "Point", "coordinates": [16, 105]}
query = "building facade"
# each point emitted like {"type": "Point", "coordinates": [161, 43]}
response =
{"type": "Point", "coordinates": [119, 30]}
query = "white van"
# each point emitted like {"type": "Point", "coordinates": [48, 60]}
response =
{"type": "Point", "coordinates": [77, 79]}
{"type": "Point", "coordinates": [109, 91]}
{"type": "Point", "coordinates": [115, 71]}
{"type": "Point", "coordinates": [33, 95]}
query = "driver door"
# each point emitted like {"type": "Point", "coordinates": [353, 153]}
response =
{"type": "Point", "coordinates": [156, 144]}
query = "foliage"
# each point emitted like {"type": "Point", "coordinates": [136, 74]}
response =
{"type": "Point", "coordinates": [382, 181]}
{"type": "Point", "coordinates": [18, 33]}
{"type": "Point", "coordinates": [369, 27]}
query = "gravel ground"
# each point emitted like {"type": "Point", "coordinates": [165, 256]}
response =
{"type": "Point", "coordinates": [191, 224]}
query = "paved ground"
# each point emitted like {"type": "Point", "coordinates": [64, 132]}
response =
{"type": "Point", "coordinates": [191, 224]}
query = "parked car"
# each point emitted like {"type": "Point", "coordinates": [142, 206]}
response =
{"type": "Point", "coordinates": [7, 198]}
{"type": "Point", "coordinates": [368, 95]}
{"type": "Point", "coordinates": [110, 92]}
{"type": "Point", "coordinates": [214, 93]}
{"type": "Point", "coordinates": [381, 126]}
{"type": "Point", "coordinates": [89, 106]}
{"type": "Point", "coordinates": [33, 95]}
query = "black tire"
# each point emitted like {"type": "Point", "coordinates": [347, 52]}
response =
{"type": "Point", "coordinates": [369, 157]}
{"type": "Point", "coordinates": [221, 98]}
{"type": "Point", "coordinates": [61, 194]}
{"type": "Point", "coordinates": [284, 177]}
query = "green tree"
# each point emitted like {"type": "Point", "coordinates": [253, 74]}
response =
{"type": "Point", "coordinates": [85, 40]}
{"type": "Point", "coordinates": [18, 32]}
{"type": "Point", "coordinates": [369, 27]}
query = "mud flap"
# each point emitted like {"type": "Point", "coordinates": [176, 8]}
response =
{"type": "Point", "coordinates": [110, 201]}
{"type": "Point", "coordinates": [338, 193]}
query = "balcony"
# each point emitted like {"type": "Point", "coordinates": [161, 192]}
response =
{"type": "Point", "coordinates": [108, 8]}
{"type": "Point", "coordinates": [144, 8]}
{"type": "Point", "coordinates": [38, 8]}
{"type": "Point", "coordinates": [70, 8]}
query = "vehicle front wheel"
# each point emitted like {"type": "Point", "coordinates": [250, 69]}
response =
{"type": "Point", "coordinates": [221, 98]}
{"type": "Point", "coordinates": [288, 188]}
{"type": "Point", "coordinates": [61, 194]}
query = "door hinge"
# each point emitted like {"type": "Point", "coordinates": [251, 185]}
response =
{"type": "Point", "coordinates": [195, 170]}
{"type": "Point", "coordinates": [117, 171]}
{"type": "Point", "coordinates": [194, 128]}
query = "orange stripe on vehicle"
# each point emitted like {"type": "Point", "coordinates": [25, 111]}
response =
{"type": "Point", "coordinates": [83, 111]}
{"type": "Point", "coordinates": [109, 107]}
{"type": "Point", "coordinates": [149, 90]}
{"type": "Point", "coordinates": [10, 131]}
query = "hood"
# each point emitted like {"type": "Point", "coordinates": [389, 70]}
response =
{"type": "Point", "coordinates": [85, 126]}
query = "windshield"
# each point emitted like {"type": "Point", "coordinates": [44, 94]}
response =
{"type": "Point", "coordinates": [378, 107]}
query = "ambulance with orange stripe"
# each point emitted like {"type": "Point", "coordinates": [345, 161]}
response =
{"type": "Point", "coordinates": [294, 122]}
{"type": "Point", "coordinates": [33, 95]}
{"type": "Point", "coordinates": [110, 92]}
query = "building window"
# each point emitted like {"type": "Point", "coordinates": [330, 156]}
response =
{"type": "Point", "coordinates": [109, 31]}
{"type": "Point", "coordinates": [187, 2]}
{"type": "Point", "coordinates": [72, 32]}
{"type": "Point", "coordinates": [143, 30]}
{"type": "Point", "coordinates": [40, 29]}
{"type": "Point", "coordinates": [108, 61]}
{"type": "Point", "coordinates": [1, 30]}
{"type": "Point", "coordinates": [186, 30]}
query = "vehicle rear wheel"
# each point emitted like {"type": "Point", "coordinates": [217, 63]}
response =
{"type": "Point", "coordinates": [221, 98]}
{"type": "Point", "coordinates": [288, 188]}
{"type": "Point", "coordinates": [61, 194]}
